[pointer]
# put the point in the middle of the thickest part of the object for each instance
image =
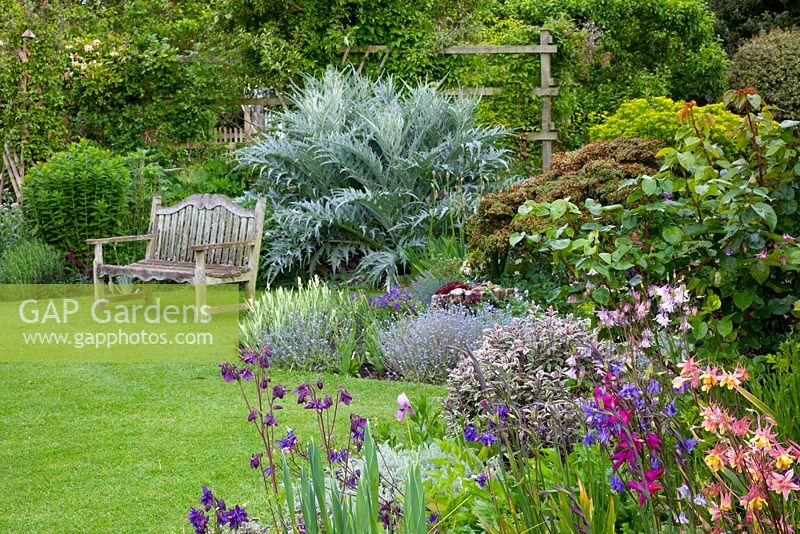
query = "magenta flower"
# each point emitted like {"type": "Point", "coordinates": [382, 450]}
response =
{"type": "Point", "coordinates": [404, 407]}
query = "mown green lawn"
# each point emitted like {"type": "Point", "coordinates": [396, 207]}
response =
{"type": "Point", "coordinates": [125, 447]}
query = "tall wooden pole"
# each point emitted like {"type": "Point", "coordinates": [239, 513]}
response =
{"type": "Point", "coordinates": [546, 92]}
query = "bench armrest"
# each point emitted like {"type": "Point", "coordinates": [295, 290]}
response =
{"type": "Point", "coordinates": [120, 239]}
{"type": "Point", "coordinates": [230, 244]}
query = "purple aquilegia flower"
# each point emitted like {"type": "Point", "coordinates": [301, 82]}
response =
{"type": "Point", "coordinates": [263, 358]}
{"type": "Point", "coordinates": [228, 372]}
{"type": "Point", "coordinates": [249, 356]}
{"type": "Point", "coordinates": [255, 460]}
{"type": "Point", "coordinates": [345, 397]}
{"type": "Point", "coordinates": [590, 438]}
{"type": "Point", "coordinates": [487, 438]}
{"type": "Point", "coordinates": [433, 518]}
{"type": "Point", "coordinates": [337, 457]}
{"type": "Point", "coordinates": [278, 391]}
{"type": "Point", "coordinates": [629, 392]}
{"type": "Point", "coordinates": [247, 374]}
{"type": "Point", "coordinates": [686, 446]}
{"type": "Point", "coordinates": [670, 410]}
{"type": "Point", "coordinates": [471, 434]}
{"type": "Point", "coordinates": [252, 415]}
{"type": "Point", "coordinates": [482, 479]}
{"type": "Point", "coordinates": [358, 426]}
{"type": "Point", "coordinates": [289, 442]}
{"type": "Point", "coordinates": [654, 387]}
{"type": "Point", "coordinates": [269, 420]}
{"type": "Point", "coordinates": [320, 385]}
{"type": "Point", "coordinates": [207, 498]}
{"type": "Point", "coordinates": [235, 517]}
{"type": "Point", "coordinates": [617, 484]}
{"type": "Point", "coordinates": [404, 407]}
{"type": "Point", "coordinates": [303, 391]}
{"type": "Point", "coordinates": [198, 519]}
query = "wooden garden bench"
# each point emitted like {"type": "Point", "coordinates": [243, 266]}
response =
{"type": "Point", "coordinates": [204, 239]}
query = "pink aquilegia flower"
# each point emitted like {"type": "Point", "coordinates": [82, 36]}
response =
{"type": "Point", "coordinates": [404, 407]}
{"type": "Point", "coordinates": [783, 484]}
{"type": "Point", "coordinates": [763, 435]}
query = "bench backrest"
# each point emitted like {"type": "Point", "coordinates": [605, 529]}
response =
{"type": "Point", "coordinates": [200, 220]}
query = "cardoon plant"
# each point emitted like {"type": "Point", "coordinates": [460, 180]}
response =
{"type": "Point", "coordinates": [361, 172]}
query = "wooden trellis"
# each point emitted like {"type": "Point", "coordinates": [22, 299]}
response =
{"type": "Point", "coordinates": [546, 91]}
{"type": "Point", "coordinates": [13, 168]}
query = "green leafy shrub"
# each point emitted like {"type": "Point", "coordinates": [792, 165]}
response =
{"type": "Point", "coordinates": [726, 229]}
{"type": "Point", "coordinates": [535, 364]}
{"type": "Point", "coordinates": [657, 118]}
{"type": "Point", "coordinates": [609, 51]}
{"type": "Point", "coordinates": [424, 347]}
{"type": "Point", "coordinates": [769, 63]}
{"type": "Point", "coordinates": [31, 262]}
{"type": "Point", "coordinates": [128, 91]}
{"type": "Point", "coordinates": [213, 176]}
{"type": "Point", "coordinates": [360, 172]}
{"type": "Point", "coordinates": [79, 194]}
{"type": "Point", "coordinates": [597, 170]}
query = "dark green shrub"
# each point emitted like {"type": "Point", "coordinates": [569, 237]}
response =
{"type": "Point", "coordinates": [738, 20]}
{"type": "Point", "coordinates": [771, 63]}
{"type": "Point", "coordinates": [594, 171]}
{"type": "Point", "coordinates": [31, 262]}
{"type": "Point", "coordinates": [78, 195]}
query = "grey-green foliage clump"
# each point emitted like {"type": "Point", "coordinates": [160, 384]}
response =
{"type": "Point", "coordinates": [13, 227]}
{"type": "Point", "coordinates": [361, 171]}
{"type": "Point", "coordinates": [31, 262]}
{"type": "Point", "coordinates": [535, 365]}
{"type": "Point", "coordinates": [425, 347]}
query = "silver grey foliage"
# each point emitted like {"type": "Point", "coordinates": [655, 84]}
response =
{"type": "Point", "coordinates": [360, 171]}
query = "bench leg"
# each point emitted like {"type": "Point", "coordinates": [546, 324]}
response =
{"type": "Point", "coordinates": [250, 290]}
{"type": "Point", "coordinates": [200, 296]}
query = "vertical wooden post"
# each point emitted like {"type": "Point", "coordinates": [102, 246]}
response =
{"type": "Point", "coordinates": [546, 92]}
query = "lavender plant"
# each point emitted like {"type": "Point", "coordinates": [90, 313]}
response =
{"type": "Point", "coordinates": [312, 327]}
{"type": "Point", "coordinates": [426, 346]}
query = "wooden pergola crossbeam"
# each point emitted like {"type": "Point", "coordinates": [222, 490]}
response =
{"type": "Point", "coordinates": [546, 91]}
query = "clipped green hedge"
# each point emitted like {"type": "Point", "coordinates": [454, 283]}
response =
{"type": "Point", "coordinates": [78, 195]}
{"type": "Point", "coordinates": [771, 63]}
{"type": "Point", "coordinates": [657, 118]}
